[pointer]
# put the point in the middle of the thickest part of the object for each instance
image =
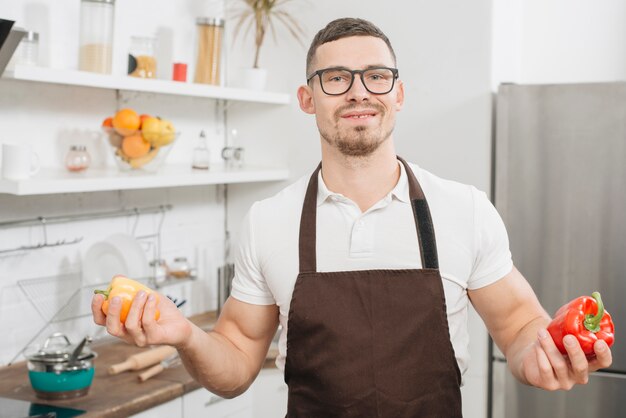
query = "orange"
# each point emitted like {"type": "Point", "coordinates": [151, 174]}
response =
{"type": "Point", "coordinates": [126, 121]}
{"type": "Point", "coordinates": [108, 122]}
{"type": "Point", "coordinates": [135, 146]}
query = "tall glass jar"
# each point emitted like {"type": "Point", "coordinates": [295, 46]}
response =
{"type": "Point", "coordinates": [29, 49]}
{"type": "Point", "coordinates": [96, 35]}
{"type": "Point", "coordinates": [141, 59]}
{"type": "Point", "coordinates": [27, 52]}
{"type": "Point", "coordinates": [208, 58]}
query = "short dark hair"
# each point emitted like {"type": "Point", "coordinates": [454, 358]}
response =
{"type": "Point", "coordinates": [343, 28]}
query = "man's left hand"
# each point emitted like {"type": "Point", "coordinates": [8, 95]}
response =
{"type": "Point", "coordinates": [545, 367]}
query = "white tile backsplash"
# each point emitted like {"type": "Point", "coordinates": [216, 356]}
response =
{"type": "Point", "coordinates": [35, 285]}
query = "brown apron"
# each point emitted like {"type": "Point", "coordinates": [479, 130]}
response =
{"type": "Point", "coordinates": [370, 343]}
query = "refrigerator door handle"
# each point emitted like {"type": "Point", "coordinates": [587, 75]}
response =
{"type": "Point", "coordinates": [610, 375]}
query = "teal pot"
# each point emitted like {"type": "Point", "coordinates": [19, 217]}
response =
{"type": "Point", "coordinates": [60, 370]}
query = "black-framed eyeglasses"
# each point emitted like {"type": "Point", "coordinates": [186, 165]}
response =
{"type": "Point", "coordinates": [338, 80]}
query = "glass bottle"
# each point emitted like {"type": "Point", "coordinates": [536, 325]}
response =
{"type": "Point", "coordinates": [141, 60]}
{"type": "Point", "coordinates": [29, 49]}
{"type": "Point", "coordinates": [208, 59]}
{"type": "Point", "coordinates": [201, 154]}
{"type": "Point", "coordinates": [77, 158]}
{"type": "Point", "coordinates": [96, 35]}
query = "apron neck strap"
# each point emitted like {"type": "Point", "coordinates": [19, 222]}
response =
{"type": "Point", "coordinates": [421, 213]}
{"type": "Point", "coordinates": [308, 224]}
{"type": "Point", "coordinates": [423, 220]}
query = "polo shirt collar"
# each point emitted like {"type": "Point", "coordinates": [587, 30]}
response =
{"type": "Point", "coordinates": [400, 191]}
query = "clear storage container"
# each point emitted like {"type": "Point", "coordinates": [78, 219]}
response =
{"type": "Point", "coordinates": [141, 60]}
{"type": "Point", "coordinates": [77, 158]}
{"type": "Point", "coordinates": [208, 58]}
{"type": "Point", "coordinates": [96, 35]}
{"type": "Point", "coordinates": [27, 51]}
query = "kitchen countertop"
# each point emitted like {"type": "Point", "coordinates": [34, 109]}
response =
{"type": "Point", "coordinates": [119, 395]}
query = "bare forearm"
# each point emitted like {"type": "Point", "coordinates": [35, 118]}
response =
{"type": "Point", "coordinates": [216, 363]}
{"type": "Point", "coordinates": [525, 340]}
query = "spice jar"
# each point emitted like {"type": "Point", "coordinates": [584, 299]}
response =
{"type": "Point", "coordinates": [77, 158]}
{"type": "Point", "coordinates": [141, 60]}
{"type": "Point", "coordinates": [179, 72]}
{"type": "Point", "coordinates": [96, 35]}
{"type": "Point", "coordinates": [180, 268]}
{"type": "Point", "coordinates": [208, 60]}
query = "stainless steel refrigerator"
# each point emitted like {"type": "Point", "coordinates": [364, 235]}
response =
{"type": "Point", "coordinates": [560, 186]}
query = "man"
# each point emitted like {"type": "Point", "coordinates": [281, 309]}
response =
{"type": "Point", "coordinates": [368, 266]}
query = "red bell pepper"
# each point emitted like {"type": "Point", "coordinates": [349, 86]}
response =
{"type": "Point", "coordinates": [586, 319]}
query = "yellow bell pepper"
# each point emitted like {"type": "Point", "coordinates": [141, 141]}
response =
{"type": "Point", "coordinates": [126, 289]}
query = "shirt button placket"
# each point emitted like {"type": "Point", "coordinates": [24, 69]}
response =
{"type": "Point", "coordinates": [358, 243]}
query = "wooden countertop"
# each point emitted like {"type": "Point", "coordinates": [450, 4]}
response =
{"type": "Point", "coordinates": [119, 395]}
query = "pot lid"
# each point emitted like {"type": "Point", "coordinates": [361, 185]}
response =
{"type": "Point", "coordinates": [57, 349]}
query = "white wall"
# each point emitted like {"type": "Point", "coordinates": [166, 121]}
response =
{"type": "Point", "coordinates": [558, 41]}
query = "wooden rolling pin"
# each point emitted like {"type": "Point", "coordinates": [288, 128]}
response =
{"type": "Point", "coordinates": [173, 360]}
{"type": "Point", "coordinates": [142, 360]}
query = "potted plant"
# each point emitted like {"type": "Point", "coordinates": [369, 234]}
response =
{"type": "Point", "coordinates": [263, 16]}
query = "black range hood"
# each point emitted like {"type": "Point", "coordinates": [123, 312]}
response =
{"type": "Point", "coordinates": [10, 38]}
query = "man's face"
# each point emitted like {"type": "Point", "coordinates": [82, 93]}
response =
{"type": "Point", "coordinates": [357, 122]}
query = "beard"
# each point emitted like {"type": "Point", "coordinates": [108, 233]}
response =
{"type": "Point", "coordinates": [359, 141]}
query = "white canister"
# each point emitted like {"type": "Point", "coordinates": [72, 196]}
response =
{"type": "Point", "coordinates": [18, 162]}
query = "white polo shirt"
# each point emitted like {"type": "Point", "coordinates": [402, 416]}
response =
{"type": "Point", "coordinates": [472, 245]}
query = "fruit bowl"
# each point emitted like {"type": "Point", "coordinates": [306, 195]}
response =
{"type": "Point", "coordinates": [139, 150]}
{"type": "Point", "coordinates": [139, 142]}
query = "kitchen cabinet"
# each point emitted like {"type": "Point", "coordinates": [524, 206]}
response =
{"type": "Point", "coordinates": [266, 398]}
{"type": "Point", "coordinates": [202, 403]}
{"type": "Point", "coordinates": [171, 409]}
{"type": "Point", "coordinates": [269, 394]}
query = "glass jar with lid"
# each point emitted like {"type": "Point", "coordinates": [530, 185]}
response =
{"type": "Point", "coordinates": [27, 52]}
{"type": "Point", "coordinates": [208, 59]}
{"type": "Point", "coordinates": [180, 268]}
{"type": "Point", "coordinates": [77, 158]}
{"type": "Point", "coordinates": [96, 35]}
{"type": "Point", "coordinates": [141, 59]}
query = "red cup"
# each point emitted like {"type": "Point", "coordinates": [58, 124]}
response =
{"type": "Point", "coordinates": [180, 72]}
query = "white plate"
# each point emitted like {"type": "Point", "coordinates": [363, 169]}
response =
{"type": "Point", "coordinates": [117, 254]}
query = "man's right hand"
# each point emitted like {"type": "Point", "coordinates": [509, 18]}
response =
{"type": "Point", "coordinates": [140, 327]}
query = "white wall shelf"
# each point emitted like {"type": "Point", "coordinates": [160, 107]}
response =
{"type": "Point", "coordinates": [54, 181]}
{"type": "Point", "coordinates": [86, 79]}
